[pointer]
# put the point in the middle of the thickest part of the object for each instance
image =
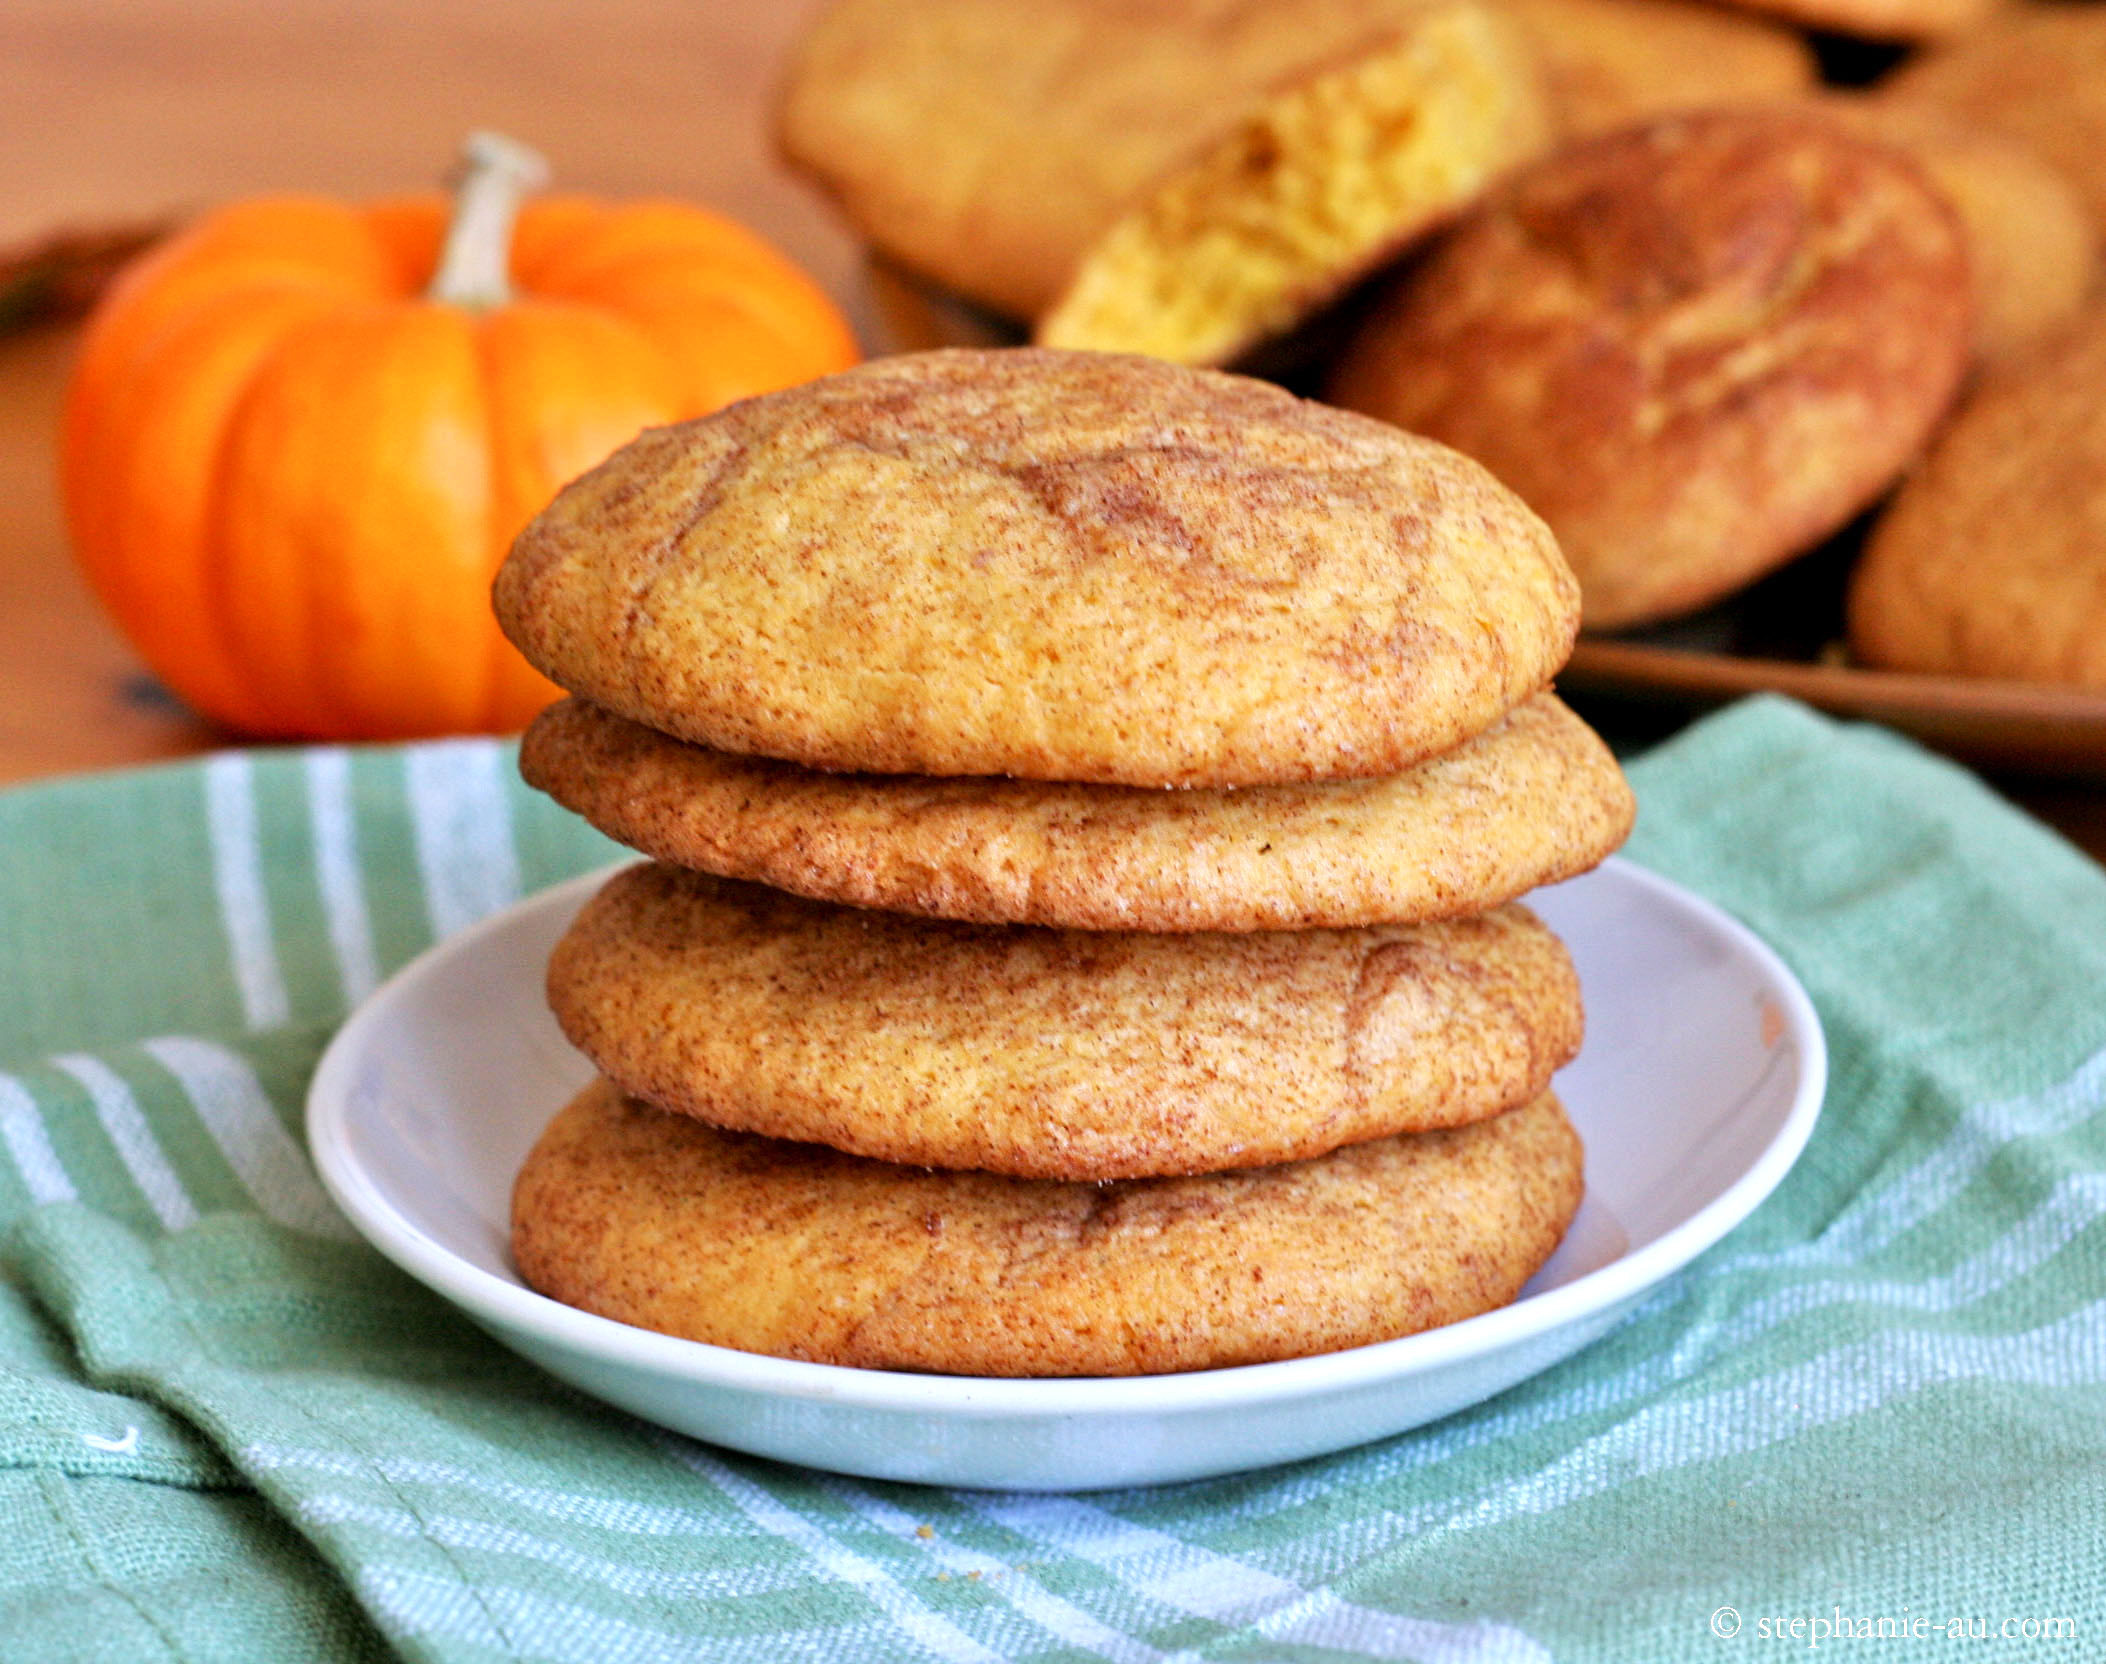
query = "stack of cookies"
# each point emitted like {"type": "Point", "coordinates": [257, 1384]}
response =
{"type": "Point", "coordinates": [1086, 800]}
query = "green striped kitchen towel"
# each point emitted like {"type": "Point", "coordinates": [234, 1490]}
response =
{"type": "Point", "coordinates": [1870, 1423]}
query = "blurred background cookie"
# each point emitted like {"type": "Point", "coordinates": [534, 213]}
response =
{"type": "Point", "coordinates": [1697, 347]}
{"type": "Point", "coordinates": [1991, 560]}
{"type": "Point", "coordinates": [1610, 63]}
{"type": "Point", "coordinates": [1880, 20]}
{"type": "Point", "coordinates": [1309, 189]}
{"type": "Point", "coordinates": [1071, 1054]}
{"type": "Point", "coordinates": [988, 146]}
{"type": "Point", "coordinates": [1194, 177]}
{"type": "Point", "coordinates": [2032, 247]}
{"type": "Point", "coordinates": [803, 1252]}
{"type": "Point", "coordinates": [2036, 72]}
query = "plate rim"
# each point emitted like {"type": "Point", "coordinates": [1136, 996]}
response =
{"type": "Point", "coordinates": [507, 1304]}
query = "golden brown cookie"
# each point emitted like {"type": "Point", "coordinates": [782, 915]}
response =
{"type": "Point", "coordinates": [1611, 63]}
{"type": "Point", "coordinates": [1309, 189]}
{"type": "Point", "coordinates": [1071, 566]}
{"type": "Point", "coordinates": [987, 146]}
{"type": "Point", "coordinates": [1991, 560]}
{"type": "Point", "coordinates": [802, 1252]}
{"type": "Point", "coordinates": [1055, 1053]}
{"type": "Point", "coordinates": [1696, 347]}
{"type": "Point", "coordinates": [2034, 72]}
{"type": "Point", "coordinates": [2031, 245]}
{"type": "Point", "coordinates": [1534, 799]}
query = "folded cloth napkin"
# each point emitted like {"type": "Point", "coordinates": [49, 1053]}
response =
{"type": "Point", "coordinates": [229, 1431]}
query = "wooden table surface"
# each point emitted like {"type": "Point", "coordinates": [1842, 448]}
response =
{"type": "Point", "coordinates": [125, 112]}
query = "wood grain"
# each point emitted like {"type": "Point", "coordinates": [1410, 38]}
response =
{"type": "Point", "coordinates": [123, 111]}
{"type": "Point", "coordinates": [72, 694]}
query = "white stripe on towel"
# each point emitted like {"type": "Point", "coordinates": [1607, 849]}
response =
{"type": "Point", "coordinates": [336, 872]}
{"type": "Point", "coordinates": [22, 1130]}
{"type": "Point", "coordinates": [1232, 1591]}
{"type": "Point", "coordinates": [928, 1629]}
{"type": "Point", "coordinates": [463, 826]}
{"type": "Point", "coordinates": [134, 1139]}
{"type": "Point", "coordinates": [237, 876]}
{"type": "Point", "coordinates": [237, 1112]}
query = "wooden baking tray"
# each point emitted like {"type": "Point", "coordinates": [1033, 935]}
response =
{"type": "Point", "coordinates": [2005, 726]}
{"type": "Point", "coordinates": [1784, 635]}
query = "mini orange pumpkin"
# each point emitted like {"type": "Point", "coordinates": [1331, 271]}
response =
{"type": "Point", "coordinates": [301, 434]}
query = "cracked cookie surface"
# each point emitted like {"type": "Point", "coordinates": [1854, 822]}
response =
{"type": "Point", "coordinates": [1065, 566]}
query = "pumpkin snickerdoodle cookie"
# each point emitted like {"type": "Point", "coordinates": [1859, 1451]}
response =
{"type": "Point", "coordinates": [2036, 73]}
{"type": "Point", "coordinates": [1308, 190]}
{"type": "Point", "coordinates": [1055, 1053]}
{"type": "Point", "coordinates": [2032, 245]}
{"type": "Point", "coordinates": [1612, 63]}
{"type": "Point", "coordinates": [1068, 566]}
{"type": "Point", "coordinates": [1534, 799]}
{"type": "Point", "coordinates": [803, 1252]}
{"type": "Point", "coordinates": [1695, 347]}
{"type": "Point", "coordinates": [1991, 560]}
{"type": "Point", "coordinates": [990, 147]}
{"type": "Point", "coordinates": [1883, 20]}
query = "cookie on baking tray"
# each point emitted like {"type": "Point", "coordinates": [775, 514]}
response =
{"type": "Point", "coordinates": [1610, 63]}
{"type": "Point", "coordinates": [1312, 187]}
{"type": "Point", "coordinates": [1696, 347]}
{"type": "Point", "coordinates": [1534, 799]}
{"type": "Point", "coordinates": [1055, 1053]}
{"type": "Point", "coordinates": [802, 1252]}
{"type": "Point", "coordinates": [988, 147]}
{"type": "Point", "coordinates": [1073, 566]}
{"type": "Point", "coordinates": [2034, 72]}
{"type": "Point", "coordinates": [1991, 560]}
{"type": "Point", "coordinates": [2032, 247]}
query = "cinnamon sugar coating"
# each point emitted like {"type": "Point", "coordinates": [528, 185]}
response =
{"type": "Point", "coordinates": [1055, 1053]}
{"type": "Point", "coordinates": [1069, 566]}
{"type": "Point", "coordinates": [802, 1252]}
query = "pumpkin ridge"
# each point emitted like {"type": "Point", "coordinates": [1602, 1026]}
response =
{"type": "Point", "coordinates": [537, 346]}
{"type": "Point", "coordinates": [218, 691]}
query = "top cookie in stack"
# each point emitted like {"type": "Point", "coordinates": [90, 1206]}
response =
{"type": "Point", "coordinates": [1050, 566]}
{"type": "Point", "coordinates": [1193, 740]}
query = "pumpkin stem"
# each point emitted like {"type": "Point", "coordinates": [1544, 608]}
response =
{"type": "Point", "coordinates": [475, 265]}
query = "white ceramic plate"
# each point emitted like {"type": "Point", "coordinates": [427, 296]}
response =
{"type": "Point", "coordinates": [1698, 1085]}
